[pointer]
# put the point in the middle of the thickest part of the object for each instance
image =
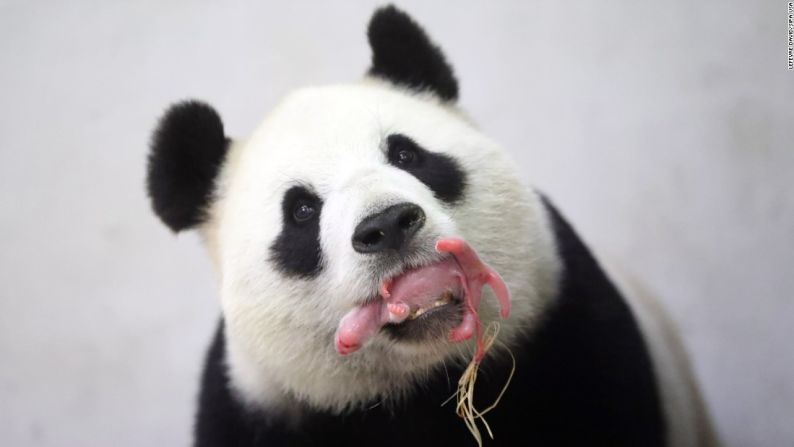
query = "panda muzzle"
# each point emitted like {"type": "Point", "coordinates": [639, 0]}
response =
{"type": "Point", "coordinates": [421, 289]}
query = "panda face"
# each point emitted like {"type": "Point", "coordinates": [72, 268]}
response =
{"type": "Point", "coordinates": [283, 232]}
{"type": "Point", "coordinates": [341, 190]}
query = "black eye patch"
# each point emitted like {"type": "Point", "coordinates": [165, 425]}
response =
{"type": "Point", "coordinates": [441, 173]}
{"type": "Point", "coordinates": [296, 250]}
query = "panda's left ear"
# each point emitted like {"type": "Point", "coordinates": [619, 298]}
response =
{"type": "Point", "coordinates": [403, 54]}
{"type": "Point", "coordinates": [187, 150]}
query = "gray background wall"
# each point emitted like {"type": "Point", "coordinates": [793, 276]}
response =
{"type": "Point", "coordinates": [663, 130]}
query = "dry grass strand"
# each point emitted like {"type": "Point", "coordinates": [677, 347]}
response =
{"type": "Point", "coordinates": [465, 392]}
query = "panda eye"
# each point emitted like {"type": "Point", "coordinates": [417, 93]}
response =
{"type": "Point", "coordinates": [303, 211]}
{"type": "Point", "coordinates": [405, 157]}
{"type": "Point", "coordinates": [438, 171]}
{"type": "Point", "coordinates": [403, 152]}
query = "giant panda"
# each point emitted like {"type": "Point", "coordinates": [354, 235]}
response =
{"type": "Point", "coordinates": [344, 189]}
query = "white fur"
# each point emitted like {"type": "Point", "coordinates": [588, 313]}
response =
{"type": "Point", "coordinates": [280, 329]}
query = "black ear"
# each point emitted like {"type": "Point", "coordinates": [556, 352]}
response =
{"type": "Point", "coordinates": [187, 150]}
{"type": "Point", "coordinates": [403, 54]}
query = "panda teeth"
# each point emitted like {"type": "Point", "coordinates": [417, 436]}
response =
{"type": "Point", "coordinates": [443, 300]}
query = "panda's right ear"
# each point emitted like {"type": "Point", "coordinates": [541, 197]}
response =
{"type": "Point", "coordinates": [187, 150]}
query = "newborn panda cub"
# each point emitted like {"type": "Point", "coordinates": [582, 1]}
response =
{"type": "Point", "coordinates": [367, 238]}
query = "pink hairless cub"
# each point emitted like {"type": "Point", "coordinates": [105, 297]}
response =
{"type": "Point", "coordinates": [474, 275]}
{"type": "Point", "coordinates": [419, 290]}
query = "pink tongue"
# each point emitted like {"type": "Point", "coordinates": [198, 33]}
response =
{"type": "Point", "coordinates": [463, 272]}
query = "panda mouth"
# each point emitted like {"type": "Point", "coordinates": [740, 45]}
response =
{"type": "Point", "coordinates": [438, 300]}
{"type": "Point", "coordinates": [445, 299]}
{"type": "Point", "coordinates": [430, 321]}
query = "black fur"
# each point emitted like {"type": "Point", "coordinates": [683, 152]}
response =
{"type": "Point", "coordinates": [403, 54]}
{"type": "Point", "coordinates": [583, 378]}
{"type": "Point", "coordinates": [296, 250]}
{"type": "Point", "coordinates": [441, 173]}
{"type": "Point", "coordinates": [187, 150]}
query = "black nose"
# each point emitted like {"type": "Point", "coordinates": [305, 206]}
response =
{"type": "Point", "coordinates": [389, 229]}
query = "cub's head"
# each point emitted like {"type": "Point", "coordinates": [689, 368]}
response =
{"type": "Point", "coordinates": [340, 191]}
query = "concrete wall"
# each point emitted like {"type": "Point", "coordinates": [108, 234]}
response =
{"type": "Point", "coordinates": [663, 130]}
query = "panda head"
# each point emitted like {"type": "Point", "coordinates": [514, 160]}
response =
{"type": "Point", "coordinates": [341, 188]}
